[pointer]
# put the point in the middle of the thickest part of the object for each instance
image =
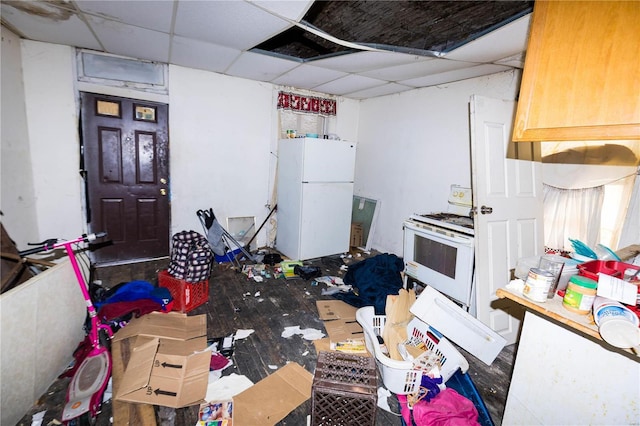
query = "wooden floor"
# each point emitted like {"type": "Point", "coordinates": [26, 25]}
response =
{"type": "Point", "coordinates": [236, 302]}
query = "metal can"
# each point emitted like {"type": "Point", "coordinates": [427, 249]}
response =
{"type": "Point", "coordinates": [537, 285]}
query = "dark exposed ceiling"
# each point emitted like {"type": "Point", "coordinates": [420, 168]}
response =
{"type": "Point", "coordinates": [417, 27]}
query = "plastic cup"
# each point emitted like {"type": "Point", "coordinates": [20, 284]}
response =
{"type": "Point", "coordinates": [553, 264]}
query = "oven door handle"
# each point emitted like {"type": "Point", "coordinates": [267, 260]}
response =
{"type": "Point", "coordinates": [443, 234]}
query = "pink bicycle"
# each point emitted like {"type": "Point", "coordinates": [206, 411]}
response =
{"type": "Point", "coordinates": [91, 376]}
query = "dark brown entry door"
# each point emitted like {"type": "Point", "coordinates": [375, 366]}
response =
{"type": "Point", "coordinates": [125, 150]}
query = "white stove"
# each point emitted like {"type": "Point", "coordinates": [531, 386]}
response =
{"type": "Point", "coordinates": [451, 221]}
{"type": "Point", "coordinates": [439, 249]}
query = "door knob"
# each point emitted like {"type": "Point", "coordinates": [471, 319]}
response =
{"type": "Point", "coordinates": [163, 191]}
{"type": "Point", "coordinates": [486, 210]}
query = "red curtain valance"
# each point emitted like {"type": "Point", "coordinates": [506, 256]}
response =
{"type": "Point", "coordinates": [310, 104]}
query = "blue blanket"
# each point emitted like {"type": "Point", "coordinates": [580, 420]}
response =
{"type": "Point", "coordinates": [372, 280]}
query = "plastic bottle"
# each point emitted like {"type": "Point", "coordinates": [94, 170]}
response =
{"type": "Point", "coordinates": [580, 294]}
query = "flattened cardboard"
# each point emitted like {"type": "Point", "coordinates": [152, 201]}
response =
{"type": "Point", "coordinates": [170, 369]}
{"type": "Point", "coordinates": [344, 330]}
{"type": "Point", "coordinates": [323, 344]}
{"type": "Point", "coordinates": [329, 310]}
{"type": "Point", "coordinates": [273, 398]}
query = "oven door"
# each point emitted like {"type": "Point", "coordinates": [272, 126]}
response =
{"type": "Point", "coordinates": [440, 258]}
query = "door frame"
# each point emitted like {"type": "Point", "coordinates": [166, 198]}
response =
{"type": "Point", "coordinates": [134, 96]}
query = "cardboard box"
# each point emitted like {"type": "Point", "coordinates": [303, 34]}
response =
{"type": "Point", "coordinates": [357, 235]}
{"type": "Point", "coordinates": [345, 333]}
{"type": "Point", "coordinates": [273, 398]}
{"type": "Point", "coordinates": [329, 310]}
{"type": "Point", "coordinates": [169, 365]}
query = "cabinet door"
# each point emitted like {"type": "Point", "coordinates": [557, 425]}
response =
{"type": "Point", "coordinates": [581, 78]}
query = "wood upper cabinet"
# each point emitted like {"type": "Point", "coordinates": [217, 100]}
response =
{"type": "Point", "coordinates": [581, 78]}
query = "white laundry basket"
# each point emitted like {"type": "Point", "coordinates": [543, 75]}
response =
{"type": "Point", "coordinates": [400, 377]}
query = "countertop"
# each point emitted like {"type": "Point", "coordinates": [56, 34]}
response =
{"type": "Point", "coordinates": [553, 309]}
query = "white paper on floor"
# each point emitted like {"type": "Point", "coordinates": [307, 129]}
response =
{"type": "Point", "coordinates": [330, 280]}
{"type": "Point", "coordinates": [383, 403]}
{"type": "Point", "coordinates": [243, 334]}
{"type": "Point", "coordinates": [36, 419]}
{"type": "Point", "coordinates": [307, 333]}
{"type": "Point", "coordinates": [227, 387]}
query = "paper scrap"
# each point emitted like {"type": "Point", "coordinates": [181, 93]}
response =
{"type": "Point", "coordinates": [36, 419]}
{"type": "Point", "coordinates": [227, 387]}
{"type": "Point", "coordinates": [617, 289]}
{"type": "Point", "coordinates": [330, 280]}
{"type": "Point", "coordinates": [383, 402]}
{"type": "Point", "coordinates": [307, 333]}
{"type": "Point", "coordinates": [242, 334]}
{"type": "Point", "coordinates": [516, 285]}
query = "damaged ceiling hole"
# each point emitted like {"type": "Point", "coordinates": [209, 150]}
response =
{"type": "Point", "coordinates": [412, 27]}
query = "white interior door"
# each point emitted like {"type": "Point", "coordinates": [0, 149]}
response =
{"type": "Point", "coordinates": [507, 198]}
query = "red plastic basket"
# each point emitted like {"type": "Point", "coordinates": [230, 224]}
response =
{"type": "Point", "coordinates": [608, 267]}
{"type": "Point", "coordinates": [186, 296]}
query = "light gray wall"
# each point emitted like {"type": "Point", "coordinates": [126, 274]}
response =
{"type": "Point", "coordinates": [17, 199]}
{"type": "Point", "coordinates": [414, 145]}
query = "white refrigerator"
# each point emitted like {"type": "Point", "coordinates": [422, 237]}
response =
{"type": "Point", "coordinates": [315, 196]}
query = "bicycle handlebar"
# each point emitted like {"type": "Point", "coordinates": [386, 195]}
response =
{"type": "Point", "coordinates": [54, 243]}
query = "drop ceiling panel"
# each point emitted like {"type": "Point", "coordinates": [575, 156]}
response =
{"type": "Point", "coordinates": [259, 67]}
{"type": "Point", "coordinates": [348, 84]}
{"type": "Point", "coordinates": [236, 24]}
{"type": "Point", "coordinates": [367, 60]}
{"type": "Point", "coordinates": [50, 24]}
{"type": "Point", "coordinates": [416, 69]}
{"type": "Point", "coordinates": [505, 41]}
{"type": "Point", "coordinates": [383, 90]}
{"type": "Point", "coordinates": [151, 14]}
{"type": "Point", "coordinates": [127, 40]}
{"type": "Point", "coordinates": [455, 75]}
{"type": "Point", "coordinates": [188, 52]}
{"type": "Point", "coordinates": [307, 77]}
{"type": "Point", "coordinates": [288, 9]}
{"type": "Point", "coordinates": [516, 61]}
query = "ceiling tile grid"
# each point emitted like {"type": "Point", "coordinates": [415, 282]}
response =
{"type": "Point", "coordinates": [356, 49]}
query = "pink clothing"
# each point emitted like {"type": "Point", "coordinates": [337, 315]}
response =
{"type": "Point", "coordinates": [448, 408]}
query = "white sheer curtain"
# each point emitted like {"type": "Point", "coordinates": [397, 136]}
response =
{"type": "Point", "coordinates": [630, 233]}
{"type": "Point", "coordinates": [608, 214]}
{"type": "Point", "coordinates": [572, 213]}
{"type": "Point", "coordinates": [619, 210]}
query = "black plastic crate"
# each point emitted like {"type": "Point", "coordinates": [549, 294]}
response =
{"type": "Point", "coordinates": [344, 390]}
